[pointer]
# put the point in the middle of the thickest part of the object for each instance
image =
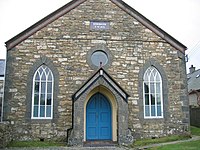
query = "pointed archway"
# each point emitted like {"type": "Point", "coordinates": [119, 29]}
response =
{"type": "Point", "coordinates": [100, 82]}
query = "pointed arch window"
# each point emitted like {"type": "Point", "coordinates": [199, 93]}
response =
{"type": "Point", "coordinates": [42, 94]}
{"type": "Point", "coordinates": [152, 93]}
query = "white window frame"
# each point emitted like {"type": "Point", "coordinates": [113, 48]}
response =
{"type": "Point", "coordinates": [44, 67]}
{"type": "Point", "coordinates": [161, 93]}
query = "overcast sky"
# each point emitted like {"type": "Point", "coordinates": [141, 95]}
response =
{"type": "Point", "coordinates": [179, 18]}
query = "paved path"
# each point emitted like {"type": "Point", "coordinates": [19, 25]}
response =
{"type": "Point", "coordinates": [194, 138]}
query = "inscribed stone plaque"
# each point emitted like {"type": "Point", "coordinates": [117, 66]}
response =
{"type": "Point", "coordinates": [99, 25]}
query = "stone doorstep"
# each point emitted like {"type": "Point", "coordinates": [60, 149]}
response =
{"type": "Point", "coordinates": [100, 144]}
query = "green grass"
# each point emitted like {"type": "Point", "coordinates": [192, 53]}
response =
{"type": "Point", "coordinates": [33, 144]}
{"type": "Point", "coordinates": [144, 142]}
{"type": "Point", "coordinates": [193, 145]}
{"type": "Point", "coordinates": [195, 131]}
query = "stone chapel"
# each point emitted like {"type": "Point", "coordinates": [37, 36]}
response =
{"type": "Point", "coordinates": [95, 70]}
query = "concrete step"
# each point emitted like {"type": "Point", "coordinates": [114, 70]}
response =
{"type": "Point", "coordinates": [100, 144]}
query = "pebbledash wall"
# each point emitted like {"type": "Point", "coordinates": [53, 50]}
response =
{"type": "Point", "coordinates": [65, 45]}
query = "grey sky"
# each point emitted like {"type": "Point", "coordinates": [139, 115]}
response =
{"type": "Point", "coordinates": [179, 18]}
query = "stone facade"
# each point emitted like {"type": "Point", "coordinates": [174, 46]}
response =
{"type": "Point", "coordinates": [5, 134]}
{"type": "Point", "coordinates": [64, 46]}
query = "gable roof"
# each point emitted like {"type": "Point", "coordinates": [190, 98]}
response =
{"type": "Point", "coordinates": [100, 74]}
{"type": "Point", "coordinates": [2, 67]}
{"type": "Point", "coordinates": [73, 4]}
{"type": "Point", "coordinates": [193, 81]}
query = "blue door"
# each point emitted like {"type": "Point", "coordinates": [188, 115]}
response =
{"type": "Point", "coordinates": [98, 118]}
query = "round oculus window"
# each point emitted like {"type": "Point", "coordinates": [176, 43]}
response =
{"type": "Point", "coordinates": [99, 58]}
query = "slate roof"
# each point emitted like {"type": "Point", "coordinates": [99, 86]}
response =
{"type": "Point", "coordinates": [2, 67]}
{"type": "Point", "coordinates": [193, 81]}
{"type": "Point", "coordinates": [73, 4]}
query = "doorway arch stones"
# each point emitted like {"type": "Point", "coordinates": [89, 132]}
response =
{"type": "Point", "coordinates": [103, 83]}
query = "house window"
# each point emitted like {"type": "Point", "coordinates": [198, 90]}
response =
{"type": "Point", "coordinates": [42, 94]}
{"type": "Point", "coordinates": [99, 58]}
{"type": "Point", "coordinates": [152, 94]}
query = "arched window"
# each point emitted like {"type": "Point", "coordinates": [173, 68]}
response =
{"type": "Point", "coordinates": [152, 93]}
{"type": "Point", "coordinates": [42, 94]}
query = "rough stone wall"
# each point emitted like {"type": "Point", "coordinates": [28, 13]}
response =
{"type": "Point", "coordinates": [66, 42]}
{"type": "Point", "coordinates": [5, 134]}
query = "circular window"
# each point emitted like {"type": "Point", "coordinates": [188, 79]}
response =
{"type": "Point", "coordinates": [99, 58]}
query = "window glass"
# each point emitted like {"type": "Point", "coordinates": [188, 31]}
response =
{"type": "Point", "coordinates": [36, 99]}
{"type": "Point", "coordinates": [146, 87]}
{"type": "Point", "coordinates": [153, 105]}
{"type": "Point", "coordinates": [147, 110]}
{"type": "Point", "coordinates": [50, 76]}
{"type": "Point", "coordinates": [35, 114]}
{"type": "Point", "coordinates": [49, 99]}
{"type": "Point", "coordinates": [37, 87]}
{"type": "Point", "coordinates": [43, 77]}
{"type": "Point", "coordinates": [43, 87]}
{"type": "Point", "coordinates": [99, 58]}
{"type": "Point", "coordinates": [159, 110]}
{"type": "Point", "coordinates": [37, 77]}
{"type": "Point", "coordinates": [49, 87]}
{"type": "Point", "coordinates": [48, 108]}
{"type": "Point", "coordinates": [146, 99]}
{"type": "Point", "coordinates": [42, 111]}
{"type": "Point", "coordinates": [152, 88]}
{"type": "Point", "coordinates": [43, 90]}
{"type": "Point", "coordinates": [158, 88]}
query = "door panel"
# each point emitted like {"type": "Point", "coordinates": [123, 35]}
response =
{"type": "Point", "coordinates": [98, 118]}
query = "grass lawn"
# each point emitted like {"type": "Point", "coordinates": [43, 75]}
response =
{"type": "Point", "coordinates": [144, 142]}
{"type": "Point", "coordinates": [33, 144]}
{"type": "Point", "coordinates": [195, 131]}
{"type": "Point", "coordinates": [193, 145]}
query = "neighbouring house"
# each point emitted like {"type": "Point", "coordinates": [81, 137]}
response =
{"type": "Point", "coordinates": [2, 69]}
{"type": "Point", "coordinates": [193, 80]}
{"type": "Point", "coordinates": [95, 70]}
